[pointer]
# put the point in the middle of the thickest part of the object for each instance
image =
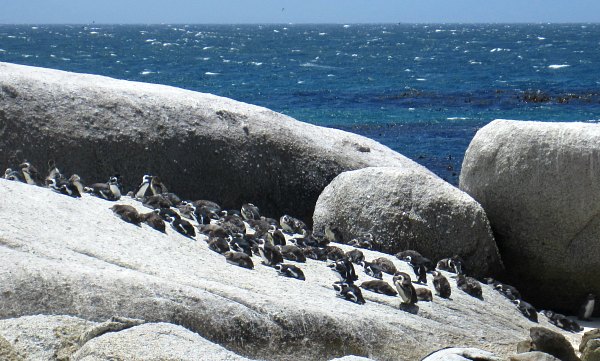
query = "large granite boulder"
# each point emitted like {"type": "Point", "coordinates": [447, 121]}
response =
{"type": "Point", "coordinates": [65, 256]}
{"type": "Point", "coordinates": [202, 146]}
{"type": "Point", "coordinates": [590, 346]}
{"type": "Point", "coordinates": [406, 209]}
{"type": "Point", "coordinates": [539, 184]}
{"type": "Point", "coordinates": [461, 354]}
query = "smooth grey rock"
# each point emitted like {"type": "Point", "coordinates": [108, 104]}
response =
{"type": "Point", "coordinates": [553, 343]}
{"type": "Point", "coordinates": [201, 145]}
{"type": "Point", "coordinates": [461, 354]}
{"type": "Point", "coordinates": [351, 358]}
{"type": "Point", "coordinates": [533, 356]}
{"type": "Point", "coordinates": [539, 184]}
{"type": "Point", "coordinates": [42, 337]}
{"type": "Point", "coordinates": [406, 209]}
{"type": "Point", "coordinates": [153, 342]}
{"type": "Point", "coordinates": [68, 256]}
{"type": "Point", "coordinates": [590, 345]}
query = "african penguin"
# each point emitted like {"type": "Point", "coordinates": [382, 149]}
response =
{"type": "Point", "coordinates": [157, 186]}
{"type": "Point", "coordinates": [453, 264]}
{"type": "Point", "coordinates": [415, 259]}
{"type": "Point", "coordinates": [561, 321]}
{"type": "Point", "coordinates": [109, 190]}
{"type": "Point", "coordinates": [424, 294]}
{"type": "Point", "coordinates": [183, 227]}
{"type": "Point", "coordinates": [292, 253]}
{"type": "Point", "coordinates": [12, 175]}
{"type": "Point", "coordinates": [372, 270]}
{"type": "Point", "coordinates": [316, 253]}
{"type": "Point", "coordinates": [333, 234]}
{"type": "Point", "coordinates": [335, 253]}
{"type": "Point", "coordinates": [238, 243]}
{"type": "Point", "coordinates": [143, 190]}
{"type": "Point", "coordinates": [270, 254]}
{"type": "Point", "coordinates": [405, 289]}
{"type": "Point", "coordinates": [157, 201]}
{"type": "Point", "coordinates": [365, 241]}
{"type": "Point", "coordinates": [218, 244]}
{"type": "Point", "coordinates": [527, 310]}
{"type": "Point", "coordinates": [441, 284]}
{"type": "Point", "coordinates": [587, 308]}
{"type": "Point", "coordinates": [469, 285]}
{"type": "Point", "coordinates": [349, 291]}
{"type": "Point", "coordinates": [250, 211]}
{"type": "Point", "coordinates": [344, 270]}
{"type": "Point", "coordinates": [154, 220]}
{"type": "Point", "coordinates": [30, 173]}
{"type": "Point", "coordinates": [239, 259]}
{"type": "Point", "coordinates": [289, 270]}
{"type": "Point", "coordinates": [386, 265]}
{"type": "Point", "coordinates": [127, 213]}
{"type": "Point", "coordinates": [379, 286]}
{"type": "Point", "coordinates": [75, 181]}
{"type": "Point", "coordinates": [355, 256]}
{"type": "Point", "coordinates": [290, 224]}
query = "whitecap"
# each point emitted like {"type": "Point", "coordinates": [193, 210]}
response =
{"type": "Point", "coordinates": [346, 26]}
{"type": "Point", "coordinates": [207, 47]}
{"type": "Point", "coordinates": [558, 66]}
{"type": "Point", "coordinates": [313, 65]}
{"type": "Point", "coordinates": [211, 73]}
{"type": "Point", "coordinates": [421, 79]}
{"type": "Point", "coordinates": [2, 50]}
{"type": "Point", "coordinates": [354, 55]}
{"type": "Point", "coordinates": [93, 33]}
{"type": "Point", "coordinates": [457, 118]}
{"type": "Point", "coordinates": [474, 62]}
{"type": "Point", "coordinates": [256, 63]}
{"type": "Point", "coordinates": [34, 27]}
{"type": "Point", "coordinates": [147, 72]}
{"type": "Point", "coordinates": [330, 75]}
{"type": "Point", "coordinates": [541, 38]}
{"type": "Point", "coordinates": [300, 81]}
{"type": "Point", "coordinates": [322, 34]}
{"type": "Point", "coordinates": [275, 30]}
{"type": "Point", "coordinates": [150, 40]}
{"type": "Point", "coordinates": [411, 109]}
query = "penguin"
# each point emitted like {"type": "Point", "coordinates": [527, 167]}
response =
{"type": "Point", "coordinates": [204, 214]}
{"type": "Point", "coordinates": [292, 225]}
{"type": "Point", "coordinates": [453, 264]}
{"type": "Point", "coordinates": [316, 253]}
{"type": "Point", "coordinates": [64, 187]}
{"type": "Point", "coordinates": [379, 286]}
{"type": "Point", "coordinates": [365, 242]}
{"type": "Point", "coordinates": [355, 256]}
{"type": "Point", "coordinates": [109, 190]}
{"type": "Point", "coordinates": [587, 308]}
{"type": "Point", "coordinates": [441, 284]}
{"type": "Point", "coordinates": [386, 265]}
{"type": "Point", "coordinates": [233, 224]}
{"type": "Point", "coordinates": [421, 273]}
{"type": "Point", "coordinates": [372, 270]}
{"type": "Point", "coordinates": [218, 244]}
{"type": "Point", "coordinates": [289, 270]}
{"type": "Point", "coordinates": [157, 186]}
{"type": "Point", "coordinates": [344, 270]}
{"type": "Point", "coordinates": [561, 321]}
{"type": "Point", "coordinates": [257, 226]}
{"type": "Point", "coordinates": [405, 289]}
{"type": "Point", "coordinates": [167, 214]}
{"type": "Point", "coordinates": [143, 190]}
{"type": "Point", "coordinates": [213, 229]}
{"type": "Point", "coordinates": [469, 285]}
{"type": "Point", "coordinates": [209, 205]}
{"type": "Point", "coordinates": [250, 211]}
{"type": "Point", "coordinates": [349, 291]}
{"type": "Point", "coordinates": [270, 254]}
{"type": "Point", "coordinates": [333, 234]}
{"type": "Point", "coordinates": [292, 253]}
{"type": "Point", "coordinates": [424, 294]}
{"type": "Point", "coordinates": [277, 237]}
{"type": "Point", "coordinates": [53, 172]}
{"type": "Point", "coordinates": [186, 209]}
{"type": "Point", "coordinates": [527, 310]}
{"type": "Point", "coordinates": [508, 291]}
{"type": "Point", "coordinates": [157, 201]}
{"type": "Point", "coordinates": [12, 175]}
{"type": "Point", "coordinates": [415, 259]}
{"type": "Point", "coordinates": [239, 244]}
{"type": "Point", "coordinates": [335, 253]}
{"type": "Point", "coordinates": [30, 173]}
{"type": "Point", "coordinates": [75, 181]}
{"type": "Point", "coordinates": [153, 220]}
{"type": "Point", "coordinates": [183, 227]}
{"type": "Point", "coordinates": [239, 259]}
{"type": "Point", "coordinates": [126, 212]}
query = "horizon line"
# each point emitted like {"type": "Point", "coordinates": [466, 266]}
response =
{"type": "Point", "coordinates": [309, 23]}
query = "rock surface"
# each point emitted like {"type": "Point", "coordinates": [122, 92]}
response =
{"type": "Point", "coordinates": [539, 184]}
{"type": "Point", "coordinates": [153, 342]}
{"type": "Point", "coordinates": [461, 354]}
{"type": "Point", "coordinates": [590, 346]}
{"type": "Point", "coordinates": [533, 356]}
{"type": "Point", "coordinates": [201, 145]}
{"type": "Point", "coordinates": [65, 256]}
{"type": "Point", "coordinates": [406, 209]}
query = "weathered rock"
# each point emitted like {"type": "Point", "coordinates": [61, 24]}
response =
{"type": "Point", "coordinates": [61, 255]}
{"type": "Point", "coordinates": [539, 184]}
{"type": "Point", "coordinates": [202, 146]}
{"type": "Point", "coordinates": [590, 345]}
{"type": "Point", "coordinates": [153, 342]}
{"type": "Point", "coordinates": [552, 343]}
{"type": "Point", "coordinates": [533, 356]}
{"type": "Point", "coordinates": [461, 354]}
{"type": "Point", "coordinates": [406, 209]}
{"type": "Point", "coordinates": [42, 337]}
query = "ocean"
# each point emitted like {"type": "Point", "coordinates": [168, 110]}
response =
{"type": "Point", "coordinates": [421, 89]}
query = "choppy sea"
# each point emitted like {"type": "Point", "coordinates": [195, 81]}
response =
{"type": "Point", "coordinates": [421, 89]}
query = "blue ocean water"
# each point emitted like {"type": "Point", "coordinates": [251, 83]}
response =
{"type": "Point", "coordinates": [422, 90]}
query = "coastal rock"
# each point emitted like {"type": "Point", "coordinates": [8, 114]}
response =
{"type": "Point", "coordinates": [153, 342]}
{"type": "Point", "coordinates": [201, 145]}
{"type": "Point", "coordinates": [406, 209]}
{"type": "Point", "coordinates": [533, 356]}
{"type": "Point", "coordinates": [67, 256]}
{"type": "Point", "coordinates": [539, 184]}
{"type": "Point", "coordinates": [461, 354]}
{"type": "Point", "coordinates": [590, 346]}
{"type": "Point", "coordinates": [553, 343]}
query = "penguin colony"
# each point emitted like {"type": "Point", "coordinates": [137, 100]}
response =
{"type": "Point", "coordinates": [238, 235]}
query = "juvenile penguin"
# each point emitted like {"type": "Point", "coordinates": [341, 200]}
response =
{"type": "Point", "coordinates": [157, 201]}
{"type": "Point", "coordinates": [316, 253]}
{"type": "Point", "coordinates": [453, 264]}
{"type": "Point", "coordinates": [239, 259]}
{"type": "Point", "coordinates": [239, 244]}
{"type": "Point", "coordinates": [386, 265]}
{"type": "Point", "coordinates": [335, 253]}
{"type": "Point", "coordinates": [415, 259]}
{"type": "Point", "coordinates": [218, 244]}
{"type": "Point", "coordinates": [157, 186]}
{"type": "Point", "coordinates": [441, 284]}
{"type": "Point", "coordinates": [349, 291]}
{"type": "Point", "coordinates": [289, 270]}
{"type": "Point", "coordinates": [355, 256]}
{"type": "Point", "coordinates": [270, 254]}
{"type": "Point", "coordinates": [345, 270]}
{"type": "Point", "coordinates": [250, 211]}
{"type": "Point", "coordinates": [587, 308]}
{"type": "Point", "coordinates": [373, 270]}
{"type": "Point", "coordinates": [379, 286]}
{"type": "Point", "coordinates": [405, 289]}
{"type": "Point", "coordinates": [424, 294]}
{"type": "Point", "coordinates": [292, 253]}
{"type": "Point", "coordinates": [290, 224]}
{"type": "Point", "coordinates": [527, 310]}
{"type": "Point", "coordinates": [153, 220]}
{"type": "Point", "coordinates": [183, 227]}
{"type": "Point", "coordinates": [469, 285]}
{"type": "Point", "coordinates": [366, 241]}
{"type": "Point", "coordinates": [127, 213]}
{"type": "Point", "coordinates": [143, 190]}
